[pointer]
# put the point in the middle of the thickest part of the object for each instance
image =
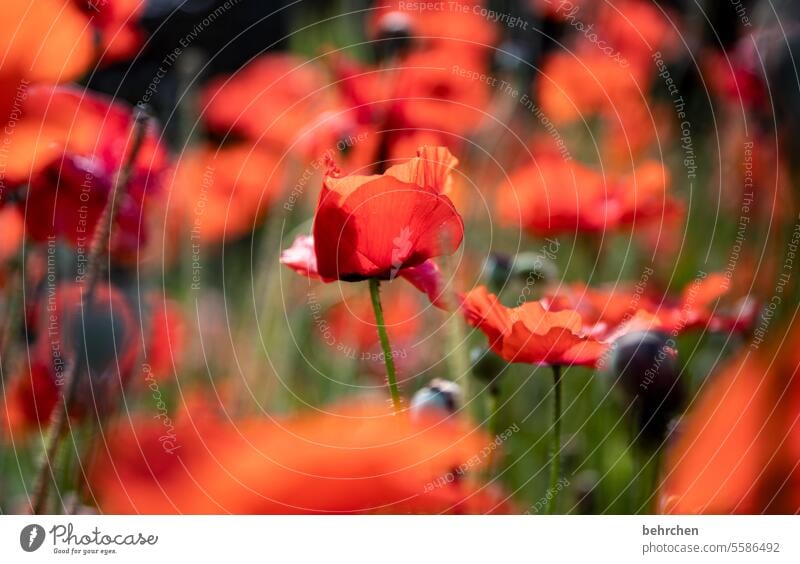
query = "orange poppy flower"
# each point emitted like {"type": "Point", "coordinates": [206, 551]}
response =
{"type": "Point", "coordinates": [552, 195]}
{"type": "Point", "coordinates": [577, 85]}
{"type": "Point", "coordinates": [737, 450]}
{"type": "Point", "coordinates": [695, 308]}
{"type": "Point", "coordinates": [638, 29]}
{"type": "Point", "coordinates": [116, 23]}
{"type": "Point", "coordinates": [430, 94]}
{"type": "Point", "coordinates": [378, 226]}
{"type": "Point", "coordinates": [223, 194]}
{"type": "Point", "coordinates": [269, 101]}
{"type": "Point", "coordinates": [434, 90]}
{"type": "Point", "coordinates": [67, 151]}
{"type": "Point", "coordinates": [107, 357]}
{"type": "Point", "coordinates": [353, 459]}
{"type": "Point", "coordinates": [43, 42]}
{"type": "Point", "coordinates": [531, 334]}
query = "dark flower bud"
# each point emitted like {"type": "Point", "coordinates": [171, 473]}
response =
{"type": "Point", "coordinates": [440, 395]}
{"type": "Point", "coordinates": [486, 365]}
{"type": "Point", "coordinates": [645, 363]}
{"type": "Point", "coordinates": [528, 269]}
{"type": "Point", "coordinates": [585, 486]}
{"type": "Point", "coordinates": [394, 36]}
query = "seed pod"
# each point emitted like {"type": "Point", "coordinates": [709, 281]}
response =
{"type": "Point", "coordinates": [646, 368]}
{"type": "Point", "coordinates": [442, 395]}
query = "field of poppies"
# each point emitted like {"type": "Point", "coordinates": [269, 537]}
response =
{"type": "Point", "coordinates": [513, 256]}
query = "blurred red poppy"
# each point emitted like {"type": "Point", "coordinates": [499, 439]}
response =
{"type": "Point", "coordinates": [353, 459]}
{"type": "Point", "coordinates": [737, 450]}
{"type": "Point", "coordinates": [531, 334]}
{"type": "Point", "coordinates": [269, 101]}
{"type": "Point", "coordinates": [67, 151]}
{"type": "Point", "coordinates": [116, 23]}
{"type": "Point", "coordinates": [221, 194]}
{"type": "Point", "coordinates": [166, 337]}
{"type": "Point", "coordinates": [695, 308]}
{"type": "Point", "coordinates": [101, 335]}
{"type": "Point", "coordinates": [437, 91]}
{"type": "Point", "coordinates": [377, 226]}
{"type": "Point", "coordinates": [552, 195]}
{"type": "Point", "coordinates": [43, 42]}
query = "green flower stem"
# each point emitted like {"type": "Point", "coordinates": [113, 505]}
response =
{"type": "Point", "coordinates": [98, 251]}
{"type": "Point", "coordinates": [492, 405]}
{"type": "Point", "coordinates": [388, 357]}
{"type": "Point", "coordinates": [555, 465]}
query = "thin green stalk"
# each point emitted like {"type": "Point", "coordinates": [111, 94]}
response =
{"type": "Point", "coordinates": [492, 401]}
{"type": "Point", "coordinates": [391, 375]}
{"type": "Point", "coordinates": [555, 465]}
{"type": "Point", "coordinates": [59, 419]}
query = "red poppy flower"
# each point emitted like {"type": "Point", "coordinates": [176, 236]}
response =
{"type": "Point", "coordinates": [269, 101]}
{"type": "Point", "coordinates": [378, 226]}
{"type": "Point", "coordinates": [67, 151]}
{"type": "Point", "coordinates": [531, 334]}
{"type": "Point", "coordinates": [737, 449]}
{"type": "Point", "coordinates": [433, 90]}
{"type": "Point", "coordinates": [430, 95]}
{"type": "Point", "coordinates": [166, 337]}
{"type": "Point", "coordinates": [223, 194]}
{"type": "Point", "coordinates": [43, 42]}
{"type": "Point", "coordinates": [552, 195]}
{"type": "Point", "coordinates": [695, 308]}
{"type": "Point", "coordinates": [354, 459]}
{"type": "Point", "coordinates": [102, 334]}
{"type": "Point", "coordinates": [116, 23]}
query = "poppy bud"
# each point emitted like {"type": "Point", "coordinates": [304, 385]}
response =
{"type": "Point", "coordinates": [99, 333]}
{"type": "Point", "coordinates": [585, 492]}
{"type": "Point", "coordinates": [647, 369]}
{"type": "Point", "coordinates": [527, 268]}
{"type": "Point", "coordinates": [486, 365]}
{"type": "Point", "coordinates": [394, 36]}
{"type": "Point", "coordinates": [439, 394]}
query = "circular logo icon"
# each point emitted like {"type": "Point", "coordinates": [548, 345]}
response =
{"type": "Point", "coordinates": [31, 537]}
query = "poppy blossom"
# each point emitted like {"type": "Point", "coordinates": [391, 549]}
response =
{"type": "Point", "coordinates": [736, 451]}
{"type": "Point", "coordinates": [116, 23]}
{"type": "Point", "coordinates": [378, 226]}
{"type": "Point", "coordinates": [167, 336]}
{"type": "Point", "coordinates": [43, 42]}
{"type": "Point", "coordinates": [267, 102]}
{"type": "Point", "coordinates": [100, 335]}
{"type": "Point", "coordinates": [531, 334]}
{"type": "Point", "coordinates": [352, 459]}
{"type": "Point", "coordinates": [694, 308]}
{"type": "Point", "coordinates": [68, 150]}
{"type": "Point", "coordinates": [223, 193]}
{"type": "Point", "coordinates": [551, 195]}
{"type": "Point", "coordinates": [430, 95]}
{"type": "Point", "coordinates": [420, 91]}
